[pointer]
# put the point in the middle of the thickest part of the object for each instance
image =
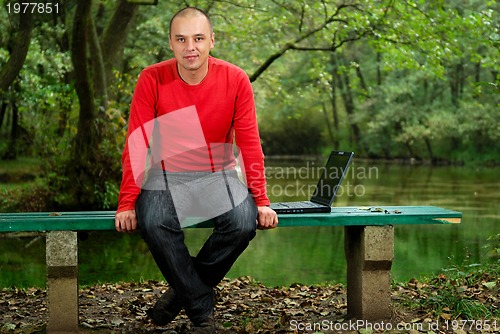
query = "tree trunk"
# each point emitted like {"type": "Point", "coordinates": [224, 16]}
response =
{"type": "Point", "coordinates": [477, 76]}
{"type": "Point", "coordinates": [86, 135]}
{"type": "Point", "coordinates": [86, 165]}
{"type": "Point", "coordinates": [98, 69]}
{"type": "Point", "coordinates": [11, 153]}
{"type": "Point", "coordinates": [335, 114]}
{"type": "Point", "coordinates": [64, 46]}
{"type": "Point", "coordinates": [328, 126]}
{"type": "Point", "coordinates": [350, 109]}
{"type": "Point", "coordinates": [114, 37]}
{"type": "Point", "coordinates": [494, 77]}
{"type": "Point", "coordinates": [346, 94]}
{"type": "Point", "coordinates": [379, 72]}
{"type": "Point", "coordinates": [457, 84]}
{"type": "Point", "coordinates": [3, 110]}
{"type": "Point", "coordinates": [11, 69]}
{"type": "Point", "coordinates": [429, 150]}
{"type": "Point", "coordinates": [64, 110]}
{"type": "Point", "coordinates": [425, 84]}
{"type": "Point", "coordinates": [84, 151]}
{"type": "Point", "coordinates": [361, 78]}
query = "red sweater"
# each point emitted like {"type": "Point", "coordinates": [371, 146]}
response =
{"type": "Point", "coordinates": [225, 109]}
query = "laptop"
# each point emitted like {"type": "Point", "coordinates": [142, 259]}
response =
{"type": "Point", "coordinates": [326, 189]}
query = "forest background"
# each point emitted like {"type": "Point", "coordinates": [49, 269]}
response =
{"type": "Point", "coordinates": [387, 79]}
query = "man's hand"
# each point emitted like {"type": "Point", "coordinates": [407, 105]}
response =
{"type": "Point", "coordinates": [267, 218]}
{"type": "Point", "coordinates": [126, 221]}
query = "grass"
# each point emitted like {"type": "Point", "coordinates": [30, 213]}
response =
{"type": "Point", "coordinates": [9, 187]}
{"type": "Point", "coordinates": [18, 184]}
{"type": "Point", "coordinates": [22, 165]}
{"type": "Point", "coordinates": [14, 175]}
{"type": "Point", "coordinates": [468, 292]}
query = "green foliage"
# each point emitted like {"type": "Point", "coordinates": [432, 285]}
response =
{"type": "Point", "coordinates": [417, 107]}
{"type": "Point", "coordinates": [423, 78]}
{"type": "Point", "coordinates": [294, 135]}
{"type": "Point", "coordinates": [493, 247]}
{"type": "Point", "coordinates": [27, 198]}
{"type": "Point", "coordinates": [102, 191]}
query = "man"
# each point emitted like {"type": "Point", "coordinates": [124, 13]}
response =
{"type": "Point", "coordinates": [185, 114]}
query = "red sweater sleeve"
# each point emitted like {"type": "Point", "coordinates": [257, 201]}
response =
{"type": "Point", "coordinates": [248, 140]}
{"type": "Point", "coordinates": [142, 110]}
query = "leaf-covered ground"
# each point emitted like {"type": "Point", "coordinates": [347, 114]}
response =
{"type": "Point", "coordinates": [245, 306]}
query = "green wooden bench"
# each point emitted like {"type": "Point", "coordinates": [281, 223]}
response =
{"type": "Point", "coordinates": [368, 241]}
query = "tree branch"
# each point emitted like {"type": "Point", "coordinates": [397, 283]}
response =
{"type": "Point", "coordinates": [293, 44]}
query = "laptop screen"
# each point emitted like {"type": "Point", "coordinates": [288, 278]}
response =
{"type": "Point", "coordinates": [331, 177]}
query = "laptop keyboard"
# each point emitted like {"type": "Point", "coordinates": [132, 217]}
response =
{"type": "Point", "coordinates": [303, 204]}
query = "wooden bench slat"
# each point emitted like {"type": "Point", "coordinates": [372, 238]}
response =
{"type": "Point", "coordinates": [340, 216]}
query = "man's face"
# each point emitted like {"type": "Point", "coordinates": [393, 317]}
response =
{"type": "Point", "coordinates": [191, 41]}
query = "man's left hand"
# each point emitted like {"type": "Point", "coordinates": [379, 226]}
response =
{"type": "Point", "coordinates": [267, 218]}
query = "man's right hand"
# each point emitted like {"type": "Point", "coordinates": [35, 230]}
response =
{"type": "Point", "coordinates": [126, 221]}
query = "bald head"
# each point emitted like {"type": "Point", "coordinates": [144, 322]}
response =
{"type": "Point", "coordinates": [190, 12]}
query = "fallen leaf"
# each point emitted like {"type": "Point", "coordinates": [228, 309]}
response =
{"type": "Point", "coordinates": [489, 285]}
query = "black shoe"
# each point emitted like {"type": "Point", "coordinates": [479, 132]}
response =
{"type": "Point", "coordinates": [206, 326]}
{"type": "Point", "coordinates": [165, 309]}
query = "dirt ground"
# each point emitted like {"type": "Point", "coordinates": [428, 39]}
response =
{"type": "Point", "coordinates": [243, 306]}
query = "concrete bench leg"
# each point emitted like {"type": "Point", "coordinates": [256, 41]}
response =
{"type": "Point", "coordinates": [62, 281]}
{"type": "Point", "coordinates": [369, 252]}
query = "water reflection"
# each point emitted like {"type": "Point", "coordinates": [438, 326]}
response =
{"type": "Point", "coordinates": [311, 255]}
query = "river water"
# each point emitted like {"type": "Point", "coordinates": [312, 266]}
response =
{"type": "Point", "coordinates": [310, 254]}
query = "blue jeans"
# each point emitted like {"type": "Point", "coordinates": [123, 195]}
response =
{"type": "Point", "coordinates": [193, 278]}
